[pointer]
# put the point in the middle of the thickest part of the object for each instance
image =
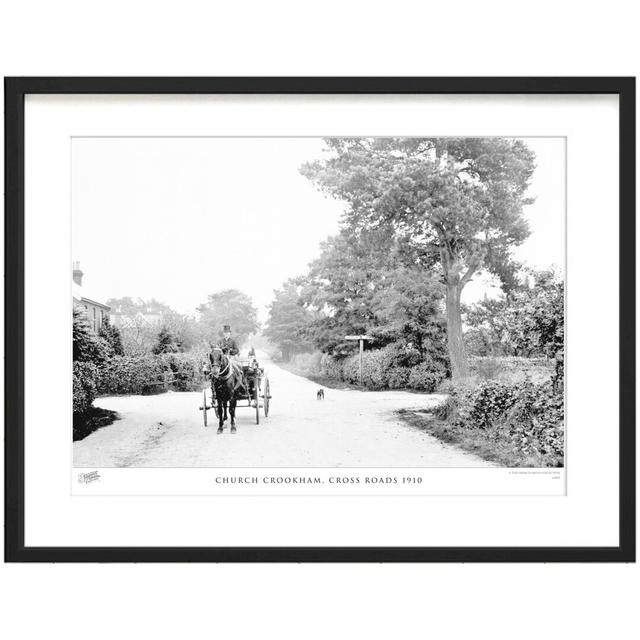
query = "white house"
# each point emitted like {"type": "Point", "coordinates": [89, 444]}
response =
{"type": "Point", "coordinates": [96, 311]}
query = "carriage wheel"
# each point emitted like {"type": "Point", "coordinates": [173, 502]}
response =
{"type": "Point", "coordinates": [256, 394]}
{"type": "Point", "coordinates": [266, 394]}
{"type": "Point", "coordinates": [204, 407]}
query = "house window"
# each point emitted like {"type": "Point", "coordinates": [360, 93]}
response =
{"type": "Point", "coordinates": [95, 321]}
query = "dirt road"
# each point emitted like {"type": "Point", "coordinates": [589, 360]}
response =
{"type": "Point", "coordinates": [348, 429]}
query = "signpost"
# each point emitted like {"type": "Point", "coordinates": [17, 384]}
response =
{"type": "Point", "coordinates": [361, 339]}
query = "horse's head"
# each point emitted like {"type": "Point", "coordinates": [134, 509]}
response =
{"type": "Point", "coordinates": [217, 361]}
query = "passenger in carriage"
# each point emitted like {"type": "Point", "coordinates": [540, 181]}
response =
{"type": "Point", "coordinates": [253, 364]}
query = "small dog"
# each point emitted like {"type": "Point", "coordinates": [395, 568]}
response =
{"type": "Point", "coordinates": [320, 394]}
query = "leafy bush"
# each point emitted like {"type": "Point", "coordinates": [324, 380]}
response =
{"type": "Point", "coordinates": [145, 374]}
{"type": "Point", "coordinates": [89, 353]}
{"type": "Point", "coordinates": [528, 322]}
{"type": "Point", "coordinates": [426, 376]}
{"type": "Point", "coordinates": [131, 374]}
{"type": "Point", "coordinates": [87, 346]}
{"type": "Point", "coordinates": [536, 422]}
{"type": "Point", "coordinates": [392, 367]}
{"type": "Point", "coordinates": [166, 342]}
{"type": "Point", "coordinates": [488, 403]}
{"type": "Point", "coordinates": [525, 419]}
{"type": "Point", "coordinates": [448, 408]}
{"type": "Point", "coordinates": [112, 337]}
{"type": "Point", "coordinates": [85, 377]}
{"type": "Point", "coordinates": [186, 369]}
{"type": "Point", "coordinates": [398, 377]}
{"type": "Point", "coordinates": [375, 368]}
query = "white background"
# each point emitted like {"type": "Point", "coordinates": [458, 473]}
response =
{"type": "Point", "coordinates": [586, 516]}
{"type": "Point", "coordinates": [367, 38]}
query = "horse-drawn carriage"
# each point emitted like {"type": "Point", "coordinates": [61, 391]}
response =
{"type": "Point", "coordinates": [234, 381]}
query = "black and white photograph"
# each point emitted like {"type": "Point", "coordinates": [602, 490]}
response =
{"type": "Point", "coordinates": [335, 326]}
{"type": "Point", "coordinates": [309, 302]}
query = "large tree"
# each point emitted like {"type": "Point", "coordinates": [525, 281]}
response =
{"type": "Point", "coordinates": [231, 307]}
{"type": "Point", "coordinates": [407, 310]}
{"type": "Point", "coordinates": [460, 199]}
{"type": "Point", "coordinates": [366, 282]}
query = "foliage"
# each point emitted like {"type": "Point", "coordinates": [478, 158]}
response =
{"type": "Point", "coordinates": [376, 366]}
{"type": "Point", "coordinates": [340, 287]}
{"type": "Point", "coordinates": [392, 367]}
{"type": "Point", "coordinates": [146, 374]}
{"type": "Point", "coordinates": [186, 370]}
{"type": "Point", "coordinates": [460, 199]}
{"type": "Point", "coordinates": [407, 311]}
{"type": "Point", "coordinates": [111, 335]}
{"type": "Point", "coordinates": [87, 346]}
{"type": "Point", "coordinates": [486, 322]}
{"type": "Point", "coordinates": [165, 343]}
{"type": "Point", "coordinates": [131, 374]}
{"type": "Point", "coordinates": [85, 378]}
{"type": "Point", "coordinates": [231, 307]}
{"type": "Point", "coordinates": [288, 323]}
{"type": "Point", "coordinates": [186, 331]}
{"type": "Point", "coordinates": [138, 336]}
{"type": "Point", "coordinates": [528, 322]}
{"type": "Point", "coordinates": [425, 377]}
{"type": "Point", "coordinates": [360, 285]}
{"type": "Point", "coordinates": [142, 319]}
{"type": "Point", "coordinates": [93, 419]}
{"type": "Point", "coordinates": [535, 317]}
{"type": "Point", "coordinates": [133, 306]}
{"type": "Point", "coordinates": [526, 419]}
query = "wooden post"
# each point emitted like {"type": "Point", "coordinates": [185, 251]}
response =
{"type": "Point", "coordinates": [361, 339]}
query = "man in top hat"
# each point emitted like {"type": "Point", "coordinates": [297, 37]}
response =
{"type": "Point", "coordinates": [228, 344]}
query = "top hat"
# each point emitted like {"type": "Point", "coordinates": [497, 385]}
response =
{"type": "Point", "coordinates": [226, 328]}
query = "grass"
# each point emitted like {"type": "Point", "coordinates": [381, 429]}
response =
{"type": "Point", "coordinates": [477, 441]}
{"type": "Point", "coordinates": [94, 419]}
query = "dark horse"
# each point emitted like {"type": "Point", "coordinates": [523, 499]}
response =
{"type": "Point", "coordinates": [227, 384]}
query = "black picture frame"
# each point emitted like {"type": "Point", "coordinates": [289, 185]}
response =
{"type": "Point", "coordinates": [15, 91]}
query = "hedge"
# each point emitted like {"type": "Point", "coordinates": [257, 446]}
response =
{"type": "Point", "coordinates": [145, 374]}
{"type": "Point", "coordinates": [85, 381]}
{"type": "Point", "coordinates": [526, 418]}
{"type": "Point", "coordinates": [386, 369]}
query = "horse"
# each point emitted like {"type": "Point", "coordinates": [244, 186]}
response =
{"type": "Point", "coordinates": [227, 384]}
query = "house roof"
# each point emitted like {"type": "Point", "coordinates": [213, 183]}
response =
{"type": "Point", "coordinates": [82, 295]}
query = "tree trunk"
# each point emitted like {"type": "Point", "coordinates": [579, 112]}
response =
{"type": "Point", "coordinates": [457, 353]}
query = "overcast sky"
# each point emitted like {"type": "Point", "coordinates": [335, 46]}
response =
{"type": "Point", "coordinates": [178, 218]}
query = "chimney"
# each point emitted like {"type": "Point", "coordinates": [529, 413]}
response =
{"type": "Point", "coordinates": [77, 274]}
